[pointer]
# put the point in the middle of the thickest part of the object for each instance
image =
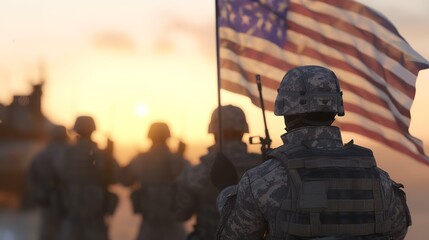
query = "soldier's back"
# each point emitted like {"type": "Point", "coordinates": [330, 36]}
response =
{"type": "Point", "coordinates": [196, 188]}
{"type": "Point", "coordinates": [84, 192]}
{"type": "Point", "coordinates": [156, 172]}
{"type": "Point", "coordinates": [351, 193]}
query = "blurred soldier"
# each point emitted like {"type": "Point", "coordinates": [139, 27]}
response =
{"type": "Point", "coordinates": [314, 187]}
{"type": "Point", "coordinates": [86, 174]}
{"type": "Point", "coordinates": [152, 176]}
{"type": "Point", "coordinates": [44, 183]}
{"type": "Point", "coordinates": [197, 194]}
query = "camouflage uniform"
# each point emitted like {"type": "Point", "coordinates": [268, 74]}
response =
{"type": "Point", "coordinates": [86, 174]}
{"type": "Point", "coordinates": [197, 194]}
{"type": "Point", "coordinates": [43, 176]}
{"type": "Point", "coordinates": [153, 175]}
{"type": "Point", "coordinates": [299, 193]}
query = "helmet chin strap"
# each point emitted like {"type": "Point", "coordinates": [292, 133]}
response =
{"type": "Point", "coordinates": [301, 121]}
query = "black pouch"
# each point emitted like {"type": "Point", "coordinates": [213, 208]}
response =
{"type": "Point", "coordinates": [136, 201]}
{"type": "Point", "coordinates": [112, 201]}
{"type": "Point", "coordinates": [399, 192]}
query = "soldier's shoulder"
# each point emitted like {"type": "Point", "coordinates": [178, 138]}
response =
{"type": "Point", "coordinates": [252, 155]}
{"type": "Point", "coordinates": [383, 174]}
{"type": "Point", "coordinates": [207, 157]}
{"type": "Point", "coordinates": [386, 182]}
{"type": "Point", "coordinates": [269, 167]}
{"type": "Point", "coordinates": [138, 157]}
{"type": "Point", "coordinates": [358, 147]}
{"type": "Point", "coordinates": [195, 175]}
{"type": "Point", "coordinates": [199, 171]}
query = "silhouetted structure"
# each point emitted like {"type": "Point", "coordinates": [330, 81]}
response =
{"type": "Point", "coordinates": [23, 118]}
{"type": "Point", "coordinates": [23, 133]}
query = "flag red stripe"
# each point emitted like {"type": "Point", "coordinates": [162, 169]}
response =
{"type": "Point", "coordinates": [284, 65]}
{"type": "Point", "coordinates": [332, 62]}
{"type": "Point", "coordinates": [375, 65]}
{"type": "Point", "coordinates": [380, 138]}
{"type": "Point", "coordinates": [346, 126]}
{"type": "Point", "coordinates": [351, 50]}
{"type": "Point", "coordinates": [236, 88]}
{"type": "Point", "coordinates": [381, 45]}
{"type": "Point", "coordinates": [373, 98]}
{"type": "Point", "coordinates": [249, 75]}
{"type": "Point", "coordinates": [396, 126]}
{"type": "Point", "coordinates": [350, 107]}
{"type": "Point", "coordinates": [365, 11]}
{"type": "Point", "coordinates": [255, 54]}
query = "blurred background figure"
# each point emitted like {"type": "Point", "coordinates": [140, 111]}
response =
{"type": "Point", "coordinates": [86, 174]}
{"type": "Point", "coordinates": [44, 183]}
{"type": "Point", "coordinates": [152, 176]}
{"type": "Point", "coordinates": [197, 194]}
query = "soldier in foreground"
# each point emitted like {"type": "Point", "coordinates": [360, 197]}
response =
{"type": "Point", "coordinates": [314, 187]}
{"type": "Point", "coordinates": [86, 174]}
{"type": "Point", "coordinates": [44, 183]}
{"type": "Point", "coordinates": [197, 194]}
{"type": "Point", "coordinates": [152, 176]}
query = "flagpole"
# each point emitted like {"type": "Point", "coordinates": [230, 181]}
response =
{"type": "Point", "coordinates": [219, 111]}
{"type": "Point", "coordinates": [222, 173]}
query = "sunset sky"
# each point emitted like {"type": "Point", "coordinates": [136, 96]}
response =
{"type": "Point", "coordinates": [129, 63]}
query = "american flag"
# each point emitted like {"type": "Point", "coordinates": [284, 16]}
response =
{"type": "Point", "coordinates": [376, 67]}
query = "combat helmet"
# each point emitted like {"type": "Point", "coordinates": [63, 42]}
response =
{"type": "Point", "coordinates": [308, 89]}
{"type": "Point", "coordinates": [233, 119]}
{"type": "Point", "coordinates": [84, 124]}
{"type": "Point", "coordinates": [159, 130]}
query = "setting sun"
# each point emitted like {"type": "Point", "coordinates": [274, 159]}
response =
{"type": "Point", "coordinates": [141, 109]}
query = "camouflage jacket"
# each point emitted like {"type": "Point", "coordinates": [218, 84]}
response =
{"type": "Point", "coordinates": [43, 172]}
{"type": "Point", "coordinates": [85, 172]}
{"type": "Point", "coordinates": [197, 195]}
{"type": "Point", "coordinates": [157, 165]}
{"type": "Point", "coordinates": [249, 209]}
{"type": "Point", "coordinates": [154, 173]}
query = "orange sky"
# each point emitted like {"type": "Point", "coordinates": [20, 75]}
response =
{"type": "Point", "coordinates": [105, 58]}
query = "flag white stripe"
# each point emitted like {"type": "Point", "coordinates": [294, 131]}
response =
{"type": "Point", "coordinates": [267, 47]}
{"type": "Point", "coordinates": [237, 78]}
{"type": "Point", "coordinates": [275, 73]}
{"type": "Point", "coordinates": [298, 38]}
{"type": "Point", "coordinates": [253, 64]}
{"type": "Point", "coordinates": [364, 23]}
{"type": "Point", "coordinates": [380, 129]}
{"type": "Point", "coordinates": [376, 66]}
{"type": "Point", "coordinates": [351, 117]}
{"type": "Point", "coordinates": [364, 46]}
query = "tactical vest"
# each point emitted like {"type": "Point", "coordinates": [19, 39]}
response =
{"type": "Point", "coordinates": [332, 193]}
{"type": "Point", "coordinates": [84, 192]}
{"type": "Point", "coordinates": [155, 198]}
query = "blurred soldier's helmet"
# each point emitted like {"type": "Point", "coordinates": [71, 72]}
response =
{"type": "Point", "coordinates": [84, 124]}
{"type": "Point", "coordinates": [58, 133]}
{"type": "Point", "coordinates": [159, 131]}
{"type": "Point", "coordinates": [233, 119]}
{"type": "Point", "coordinates": [309, 89]}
